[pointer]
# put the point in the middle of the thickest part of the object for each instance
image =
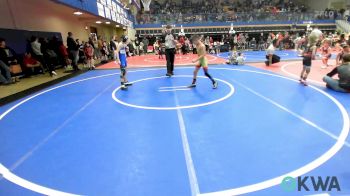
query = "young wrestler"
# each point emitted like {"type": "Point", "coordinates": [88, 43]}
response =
{"type": "Point", "coordinates": [326, 53]}
{"type": "Point", "coordinates": [121, 59]}
{"type": "Point", "coordinates": [202, 62]}
{"type": "Point", "coordinates": [308, 55]}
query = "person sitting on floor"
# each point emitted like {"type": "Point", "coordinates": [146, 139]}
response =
{"type": "Point", "coordinates": [232, 59]}
{"type": "Point", "coordinates": [270, 54]}
{"type": "Point", "coordinates": [240, 59]}
{"type": "Point", "coordinates": [343, 71]}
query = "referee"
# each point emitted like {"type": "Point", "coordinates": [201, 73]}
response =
{"type": "Point", "coordinates": [170, 44]}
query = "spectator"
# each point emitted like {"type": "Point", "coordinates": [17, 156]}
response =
{"type": "Point", "coordinates": [55, 47]}
{"type": "Point", "coordinates": [65, 55]}
{"type": "Point", "coordinates": [232, 58]}
{"type": "Point", "coordinates": [343, 71]}
{"type": "Point", "coordinates": [145, 44]}
{"type": "Point", "coordinates": [340, 55]}
{"type": "Point", "coordinates": [36, 51]}
{"type": "Point", "coordinates": [104, 52]}
{"type": "Point", "coordinates": [137, 46]}
{"type": "Point", "coordinates": [141, 48]}
{"type": "Point", "coordinates": [253, 43]}
{"type": "Point", "coordinates": [99, 46]}
{"type": "Point", "coordinates": [30, 63]}
{"type": "Point", "coordinates": [89, 53]}
{"type": "Point", "coordinates": [5, 74]}
{"type": "Point", "coordinates": [73, 50]}
{"type": "Point", "coordinates": [270, 54]}
{"type": "Point", "coordinates": [50, 57]}
{"type": "Point", "coordinates": [7, 58]}
{"type": "Point", "coordinates": [207, 43]}
{"type": "Point", "coordinates": [113, 46]}
{"type": "Point", "coordinates": [261, 42]}
{"type": "Point", "coordinates": [240, 59]}
{"type": "Point", "coordinates": [131, 48]}
{"type": "Point", "coordinates": [81, 54]}
{"type": "Point", "coordinates": [182, 42]}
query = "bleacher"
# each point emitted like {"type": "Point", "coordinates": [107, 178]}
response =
{"type": "Point", "coordinates": [217, 17]}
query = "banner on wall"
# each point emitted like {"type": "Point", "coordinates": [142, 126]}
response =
{"type": "Point", "coordinates": [109, 3]}
{"type": "Point", "coordinates": [114, 6]}
{"type": "Point", "coordinates": [110, 9]}
{"type": "Point", "coordinates": [100, 9]}
{"type": "Point", "coordinates": [108, 13]}
{"type": "Point", "coordinates": [114, 18]}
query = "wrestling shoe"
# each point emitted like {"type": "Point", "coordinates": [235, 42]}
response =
{"type": "Point", "coordinates": [128, 84]}
{"type": "Point", "coordinates": [123, 87]}
{"type": "Point", "coordinates": [192, 86]}
{"type": "Point", "coordinates": [303, 82]}
{"type": "Point", "coordinates": [215, 85]}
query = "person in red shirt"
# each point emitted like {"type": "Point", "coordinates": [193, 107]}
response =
{"type": "Point", "coordinates": [31, 63]}
{"type": "Point", "coordinates": [182, 42]}
{"type": "Point", "coordinates": [64, 54]}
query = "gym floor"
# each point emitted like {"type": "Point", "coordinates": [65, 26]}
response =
{"type": "Point", "coordinates": [85, 136]}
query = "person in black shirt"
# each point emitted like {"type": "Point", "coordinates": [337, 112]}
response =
{"type": "Point", "coordinates": [7, 57]}
{"type": "Point", "coordinates": [170, 44]}
{"type": "Point", "coordinates": [73, 50]}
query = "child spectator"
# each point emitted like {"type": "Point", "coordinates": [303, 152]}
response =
{"type": "Point", "coordinates": [104, 51]}
{"type": "Point", "coordinates": [240, 59]}
{"type": "Point", "coordinates": [326, 53]}
{"type": "Point", "coordinates": [89, 53]}
{"type": "Point", "coordinates": [232, 59]}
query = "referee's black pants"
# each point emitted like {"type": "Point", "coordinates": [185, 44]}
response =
{"type": "Point", "coordinates": [170, 58]}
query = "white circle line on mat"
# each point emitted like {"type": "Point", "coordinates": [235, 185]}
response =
{"type": "Point", "coordinates": [7, 174]}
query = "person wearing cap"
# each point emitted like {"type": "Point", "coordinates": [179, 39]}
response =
{"type": "Point", "coordinates": [170, 45]}
{"type": "Point", "coordinates": [121, 60]}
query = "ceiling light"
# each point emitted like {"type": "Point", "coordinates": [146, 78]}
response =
{"type": "Point", "coordinates": [78, 13]}
{"type": "Point", "coordinates": [108, 22]}
{"type": "Point", "coordinates": [98, 22]}
{"type": "Point", "coordinates": [117, 26]}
